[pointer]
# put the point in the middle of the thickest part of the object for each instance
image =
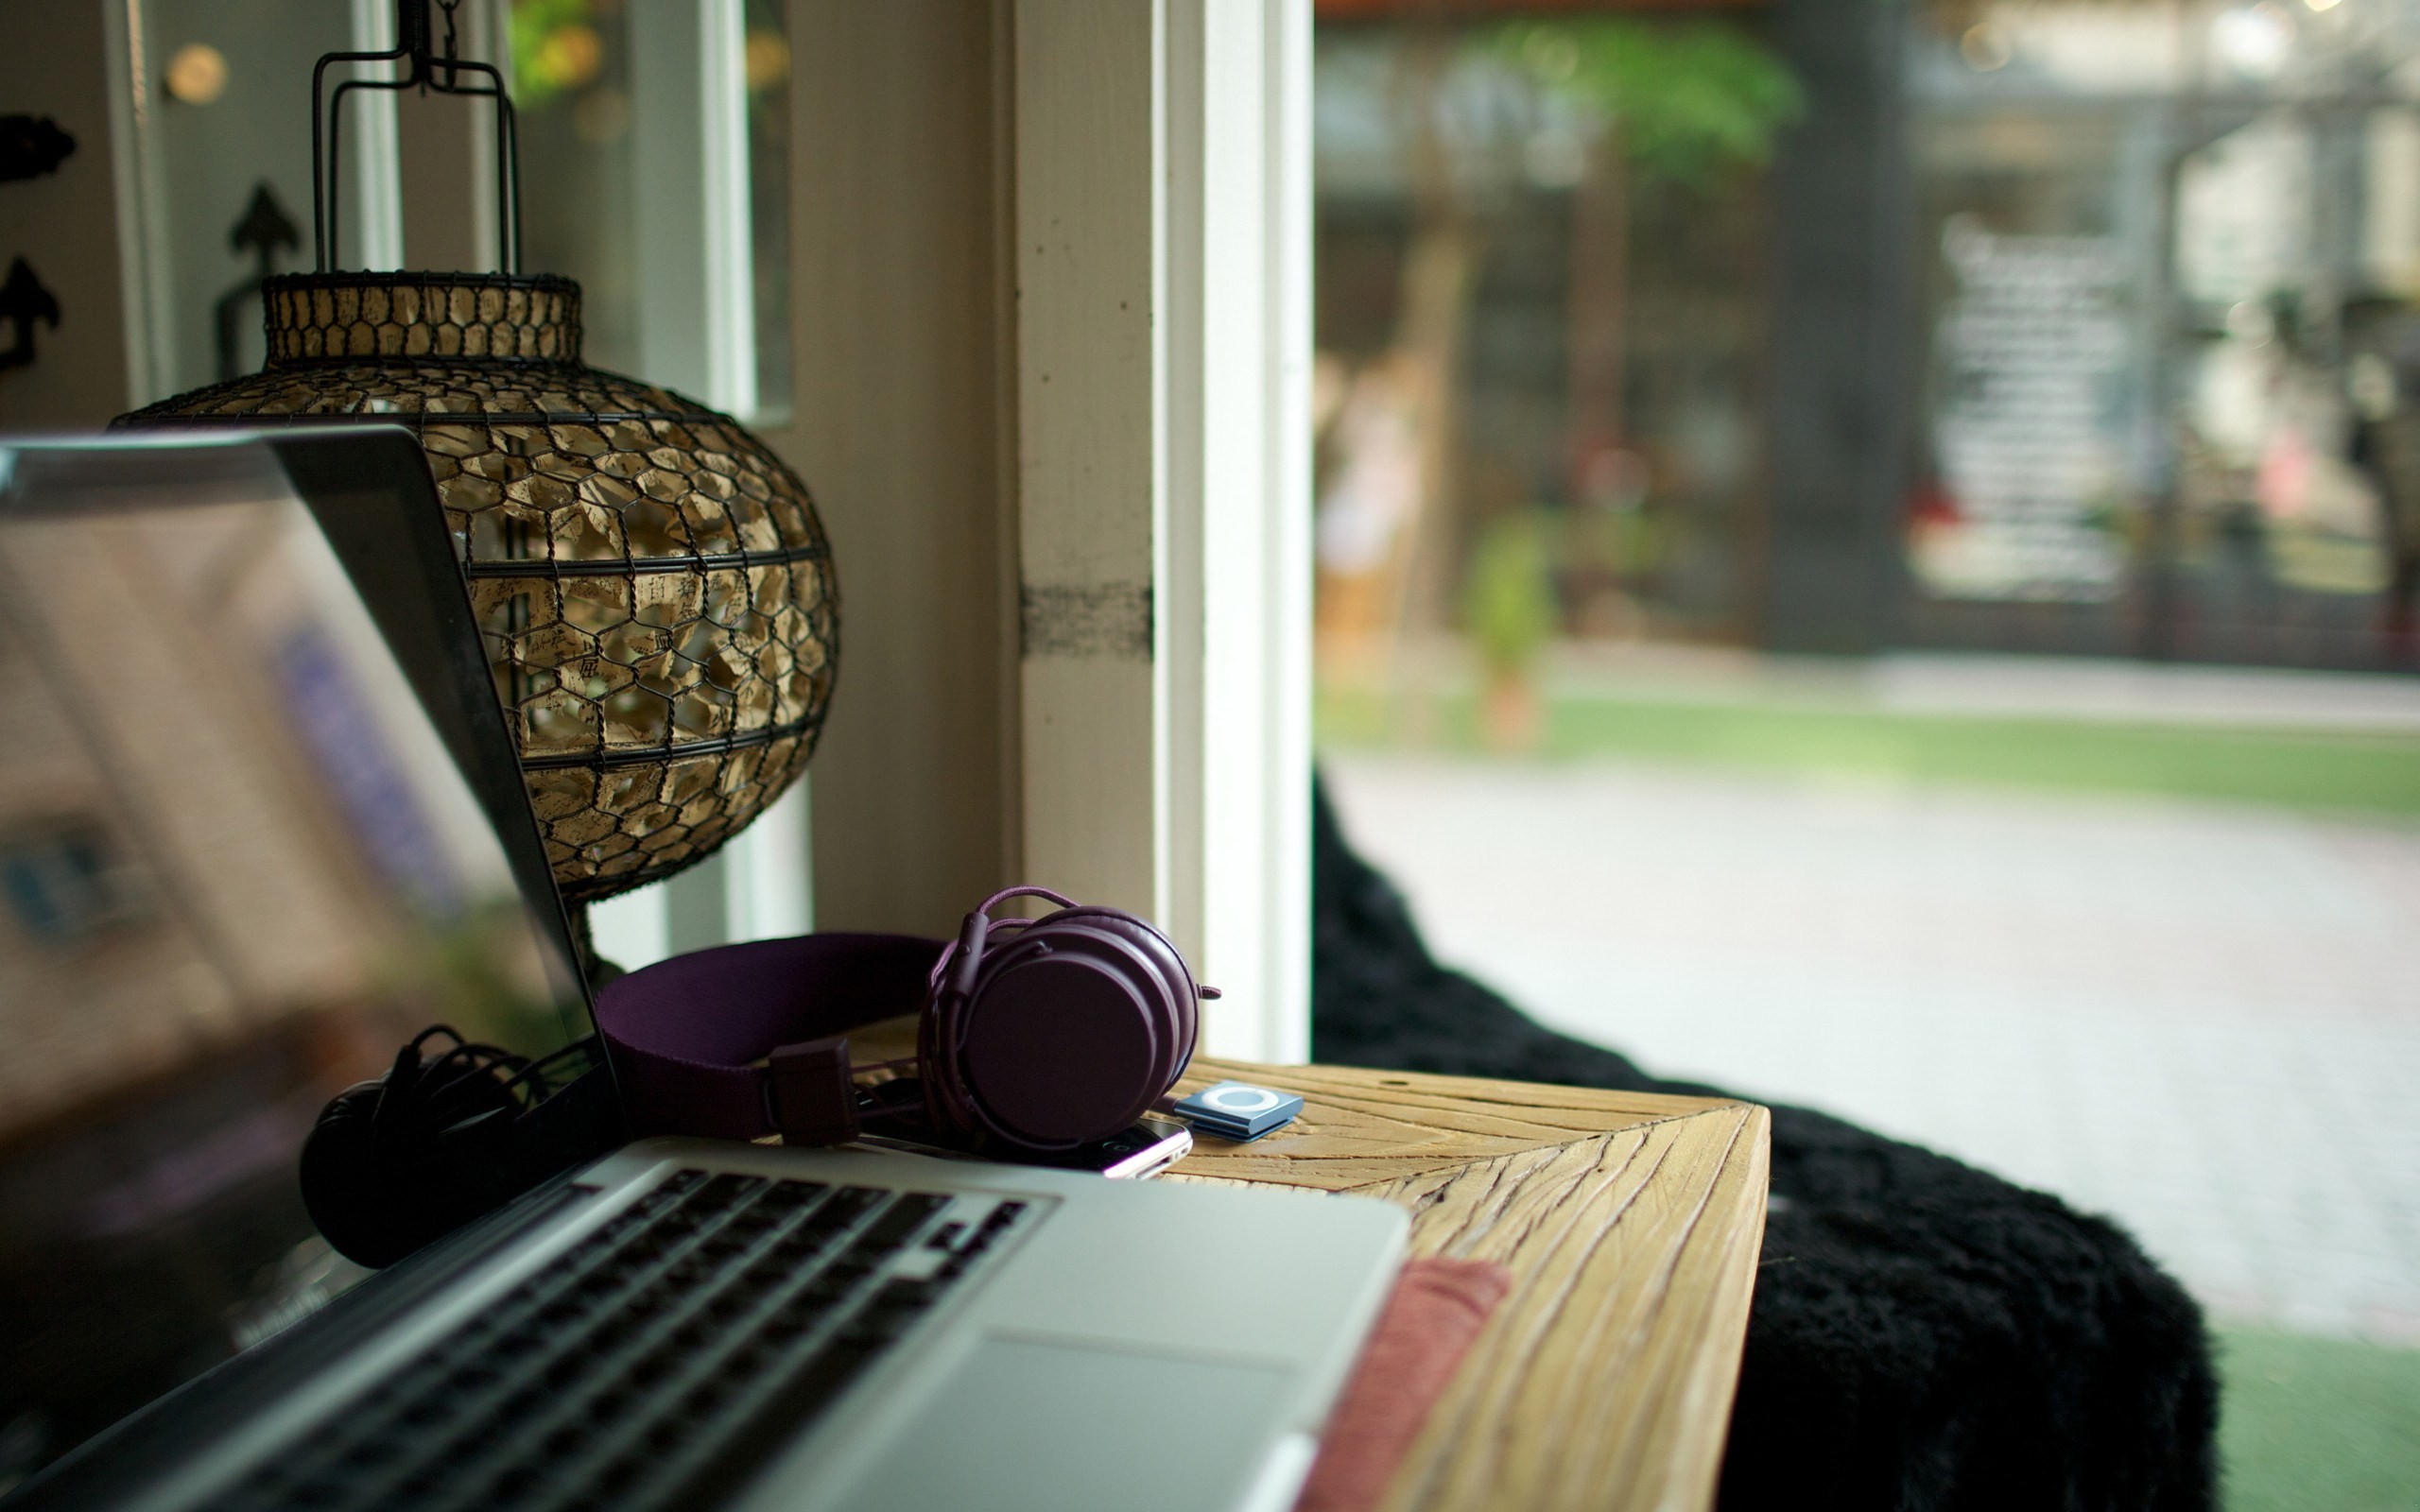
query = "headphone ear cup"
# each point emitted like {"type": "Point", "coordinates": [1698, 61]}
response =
{"type": "Point", "coordinates": [380, 1182]}
{"type": "Point", "coordinates": [1065, 1040]}
{"type": "Point", "coordinates": [1058, 1032]}
{"type": "Point", "coordinates": [351, 1190]}
{"type": "Point", "coordinates": [1175, 978]}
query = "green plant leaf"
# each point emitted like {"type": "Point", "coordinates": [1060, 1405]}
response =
{"type": "Point", "coordinates": [1689, 100]}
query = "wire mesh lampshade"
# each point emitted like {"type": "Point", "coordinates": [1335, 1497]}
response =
{"type": "Point", "coordinates": [652, 583]}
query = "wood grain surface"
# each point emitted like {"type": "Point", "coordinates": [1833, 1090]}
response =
{"type": "Point", "coordinates": [1630, 1223]}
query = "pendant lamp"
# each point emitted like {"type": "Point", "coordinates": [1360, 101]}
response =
{"type": "Point", "coordinates": [652, 586]}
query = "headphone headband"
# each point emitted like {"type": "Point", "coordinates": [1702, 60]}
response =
{"type": "Point", "coordinates": [1062, 1033]}
{"type": "Point", "coordinates": [684, 1034]}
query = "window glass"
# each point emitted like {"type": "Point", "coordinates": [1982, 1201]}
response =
{"type": "Point", "coordinates": [1542, 320]}
{"type": "Point", "coordinates": [571, 84]}
{"type": "Point", "coordinates": [631, 118]}
{"type": "Point", "coordinates": [767, 73]}
{"type": "Point", "coordinates": [225, 170]}
{"type": "Point", "coordinates": [2167, 257]}
{"type": "Point", "coordinates": [628, 114]}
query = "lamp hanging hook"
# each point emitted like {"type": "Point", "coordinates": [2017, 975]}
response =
{"type": "Point", "coordinates": [427, 72]}
{"type": "Point", "coordinates": [452, 49]}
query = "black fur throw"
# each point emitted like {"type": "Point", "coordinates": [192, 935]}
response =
{"type": "Point", "coordinates": [1925, 1337]}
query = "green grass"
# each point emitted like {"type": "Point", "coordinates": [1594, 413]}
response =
{"type": "Point", "coordinates": [2318, 1425]}
{"type": "Point", "coordinates": [2349, 770]}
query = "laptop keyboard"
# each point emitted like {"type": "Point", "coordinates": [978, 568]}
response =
{"type": "Point", "coordinates": [657, 1363]}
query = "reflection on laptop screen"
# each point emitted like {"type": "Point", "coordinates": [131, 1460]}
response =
{"type": "Point", "coordinates": [238, 868]}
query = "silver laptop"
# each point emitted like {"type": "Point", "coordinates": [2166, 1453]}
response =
{"type": "Point", "coordinates": [260, 822]}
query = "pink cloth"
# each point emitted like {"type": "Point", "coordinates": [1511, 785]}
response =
{"type": "Point", "coordinates": [1437, 1310]}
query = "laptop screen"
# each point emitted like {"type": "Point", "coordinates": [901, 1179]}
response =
{"type": "Point", "coordinates": [256, 831]}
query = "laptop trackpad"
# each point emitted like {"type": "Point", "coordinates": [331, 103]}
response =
{"type": "Point", "coordinates": [1043, 1425]}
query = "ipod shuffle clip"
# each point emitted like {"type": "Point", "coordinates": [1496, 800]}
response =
{"type": "Point", "coordinates": [1238, 1111]}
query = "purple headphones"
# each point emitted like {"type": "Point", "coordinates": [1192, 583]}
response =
{"type": "Point", "coordinates": [1041, 1034]}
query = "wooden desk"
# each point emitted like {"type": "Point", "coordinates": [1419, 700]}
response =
{"type": "Point", "coordinates": [1630, 1223]}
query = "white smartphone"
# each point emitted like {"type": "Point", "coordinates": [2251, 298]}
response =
{"type": "Point", "coordinates": [1147, 1146]}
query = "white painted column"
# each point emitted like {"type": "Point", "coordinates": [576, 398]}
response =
{"type": "Point", "coordinates": [726, 230]}
{"type": "Point", "coordinates": [765, 878]}
{"type": "Point", "coordinates": [632, 929]}
{"type": "Point", "coordinates": [373, 199]}
{"type": "Point", "coordinates": [1284, 688]}
{"type": "Point", "coordinates": [1162, 271]}
{"type": "Point", "coordinates": [1239, 543]}
{"type": "Point", "coordinates": [698, 310]}
{"type": "Point", "coordinates": [1091, 392]}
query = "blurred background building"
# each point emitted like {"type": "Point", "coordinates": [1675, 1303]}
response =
{"type": "Point", "coordinates": [2069, 327]}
